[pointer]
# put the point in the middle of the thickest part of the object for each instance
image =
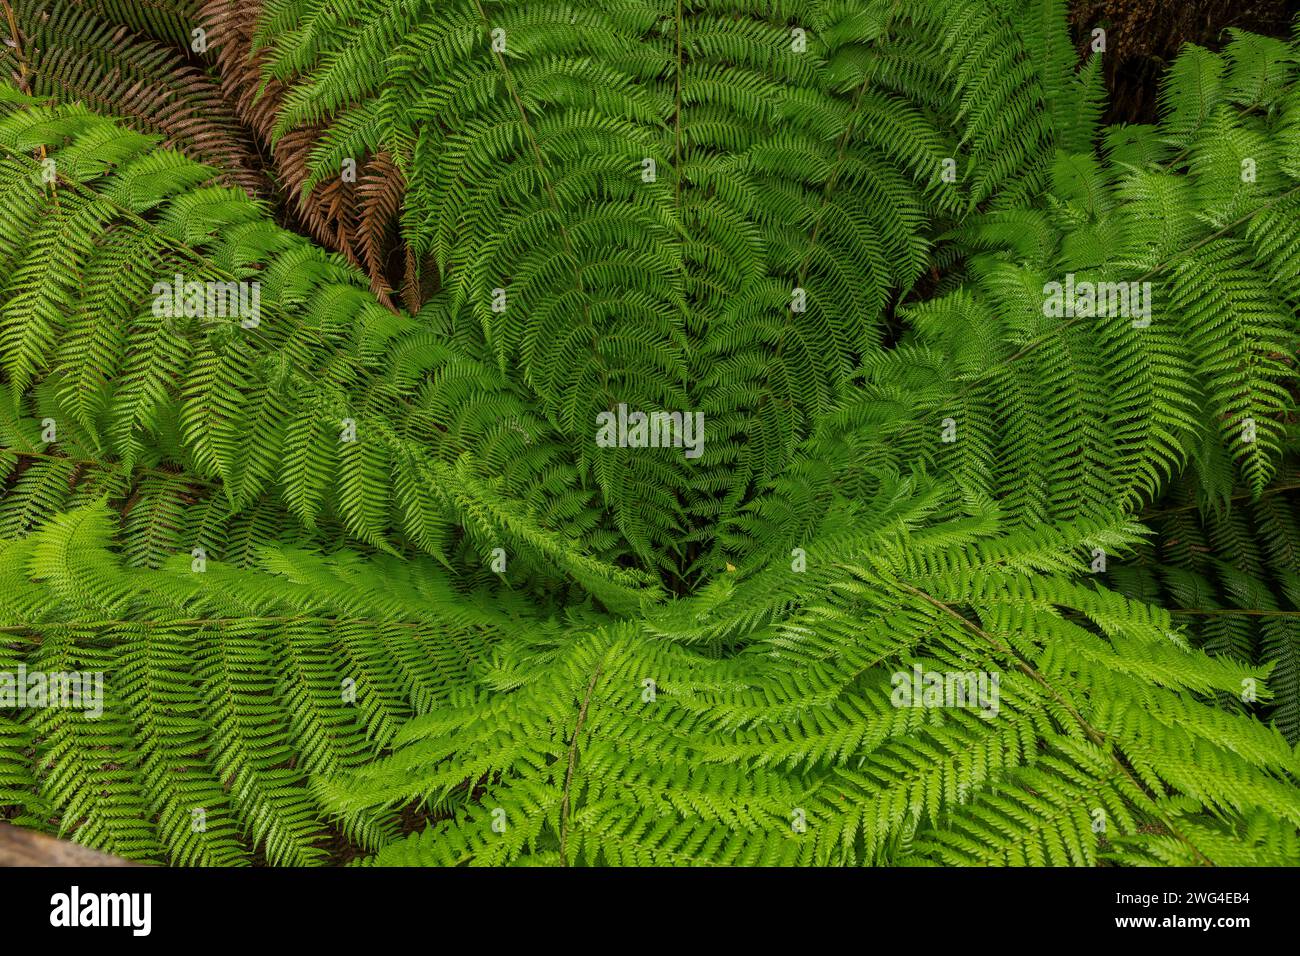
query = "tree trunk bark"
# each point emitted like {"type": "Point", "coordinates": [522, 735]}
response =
{"type": "Point", "coordinates": [25, 848]}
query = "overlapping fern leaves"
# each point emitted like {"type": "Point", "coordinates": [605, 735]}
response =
{"type": "Point", "coordinates": [65, 50]}
{"type": "Point", "coordinates": [830, 228]}
{"type": "Point", "coordinates": [729, 203]}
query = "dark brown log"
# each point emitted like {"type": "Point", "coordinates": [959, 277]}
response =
{"type": "Point", "coordinates": [24, 848]}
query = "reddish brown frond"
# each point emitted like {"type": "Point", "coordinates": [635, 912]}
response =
{"type": "Point", "coordinates": [73, 56]}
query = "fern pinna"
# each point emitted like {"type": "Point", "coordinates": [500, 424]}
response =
{"type": "Point", "coordinates": [987, 554]}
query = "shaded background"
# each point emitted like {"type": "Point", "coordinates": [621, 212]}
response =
{"type": "Point", "coordinates": [1143, 37]}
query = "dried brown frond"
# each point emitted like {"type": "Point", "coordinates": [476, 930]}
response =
{"type": "Point", "coordinates": [74, 56]}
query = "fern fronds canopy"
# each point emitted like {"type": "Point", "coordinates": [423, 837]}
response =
{"type": "Point", "coordinates": [998, 405]}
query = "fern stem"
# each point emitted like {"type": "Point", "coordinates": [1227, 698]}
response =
{"type": "Point", "coordinates": [1267, 492]}
{"type": "Point", "coordinates": [1150, 274]}
{"type": "Point", "coordinates": [23, 71]}
{"type": "Point", "coordinates": [1095, 735]}
{"type": "Point", "coordinates": [573, 759]}
{"type": "Point", "coordinates": [112, 466]}
{"type": "Point", "coordinates": [677, 118]}
{"type": "Point", "coordinates": [1024, 666]}
{"type": "Point", "coordinates": [1247, 612]}
{"type": "Point", "coordinates": [509, 78]}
